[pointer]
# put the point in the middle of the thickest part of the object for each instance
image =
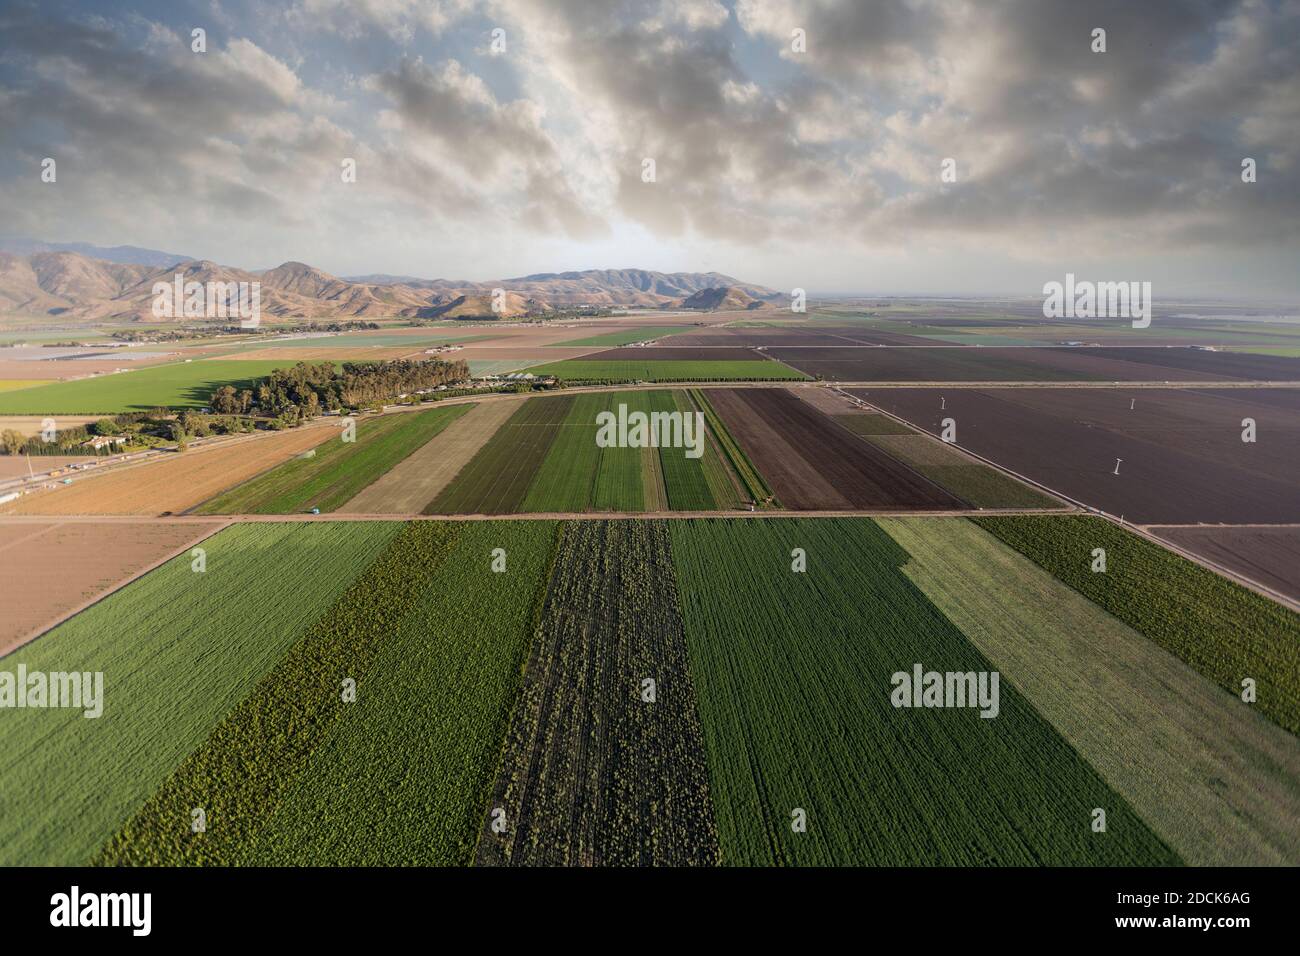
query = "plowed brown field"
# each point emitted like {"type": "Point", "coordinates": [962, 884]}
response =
{"type": "Point", "coordinates": [1183, 458]}
{"type": "Point", "coordinates": [812, 462]}
{"type": "Point", "coordinates": [52, 569]}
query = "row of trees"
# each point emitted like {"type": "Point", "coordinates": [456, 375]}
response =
{"type": "Point", "coordinates": [308, 389]}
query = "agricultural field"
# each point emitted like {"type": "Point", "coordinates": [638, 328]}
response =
{"type": "Point", "coordinates": [497, 478]}
{"type": "Point", "coordinates": [1268, 555]}
{"type": "Point", "coordinates": [1183, 457]}
{"type": "Point", "coordinates": [178, 385]}
{"type": "Point", "coordinates": [420, 477]}
{"type": "Point", "coordinates": [626, 336]}
{"type": "Point", "coordinates": [172, 482]}
{"type": "Point", "coordinates": [974, 482]}
{"type": "Point", "coordinates": [50, 568]}
{"type": "Point", "coordinates": [268, 774]}
{"type": "Point", "coordinates": [545, 460]}
{"type": "Point", "coordinates": [1220, 629]}
{"type": "Point", "coordinates": [798, 717]}
{"type": "Point", "coordinates": [1217, 781]}
{"type": "Point", "coordinates": [178, 649]}
{"type": "Point", "coordinates": [335, 471]}
{"type": "Point", "coordinates": [498, 673]}
{"type": "Point", "coordinates": [957, 364]}
{"type": "Point", "coordinates": [601, 769]}
{"type": "Point", "coordinates": [813, 463]}
{"type": "Point", "coordinates": [667, 370]}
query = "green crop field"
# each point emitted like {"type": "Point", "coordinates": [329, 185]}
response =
{"type": "Point", "coordinates": [1216, 780]}
{"type": "Point", "coordinates": [404, 779]}
{"type": "Point", "coordinates": [626, 336]}
{"type": "Point", "coordinates": [338, 470]}
{"type": "Point", "coordinates": [668, 370]}
{"type": "Point", "coordinates": [792, 672]}
{"type": "Point", "coordinates": [497, 478]}
{"type": "Point", "coordinates": [571, 473]}
{"type": "Point", "coordinates": [181, 385]}
{"type": "Point", "coordinates": [588, 754]}
{"type": "Point", "coordinates": [295, 768]}
{"type": "Point", "coordinates": [177, 650]}
{"type": "Point", "coordinates": [1224, 631]}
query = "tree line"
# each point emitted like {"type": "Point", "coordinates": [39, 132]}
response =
{"type": "Point", "coordinates": [308, 389]}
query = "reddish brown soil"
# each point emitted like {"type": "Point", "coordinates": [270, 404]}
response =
{"type": "Point", "coordinates": [811, 462]}
{"type": "Point", "coordinates": [1270, 556]}
{"type": "Point", "coordinates": [1183, 457]}
{"type": "Point", "coordinates": [52, 569]}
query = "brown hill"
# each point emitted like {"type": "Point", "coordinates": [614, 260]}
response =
{"type": "Point", "coordinates": [724, 299]}
{"type": "Point", "coordinates": [479, 306]}
{"type": "Point", "coordinates": [73, 287]}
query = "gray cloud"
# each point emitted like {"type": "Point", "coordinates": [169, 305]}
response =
{"type": "Point", "coordinates": [757, 148]}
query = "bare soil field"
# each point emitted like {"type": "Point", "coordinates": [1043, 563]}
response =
{"type": "Point", "coordinates": [811, 462]}
{"type": "Point", "coordinates": [798, 337]}
{"type": "Point", "coordinates": [51, 569]}
{"type": "Point", "coordinates": [422, 475]}
{"type": "Point", "coordinates": [61, 370]}
{"type": "Point", "coordinates": [1268, 555]}
{"type": "Point", "coordinates": [322, 353]}
{"type": "Point", "coordinates": [16, 466]}
{"type": "Point", "coordinates": [1183, 458]}
{"type": "Point", "coordinates": [174, 483]}
{"type": "Point", "coordinates": [994, 364]}
{"type": "Point", "coordinates": [29, 425]}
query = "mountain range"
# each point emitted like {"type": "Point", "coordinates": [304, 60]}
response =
{"type": "Point", "coordinates": [73, 287]}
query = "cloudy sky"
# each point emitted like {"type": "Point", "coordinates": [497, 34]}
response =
{"type": "Point", "coordinates": [506, 137]}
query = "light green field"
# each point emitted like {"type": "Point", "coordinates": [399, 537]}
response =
{"type": "Point", "coordinates": [668, 370]}
{"type": "Point", "coordinates": [181, 385]}
{"type": "Point", "coordinates": [177, 650]}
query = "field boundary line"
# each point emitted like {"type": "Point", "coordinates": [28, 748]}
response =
{"type": "Point", "coordinates": [1232, 575]}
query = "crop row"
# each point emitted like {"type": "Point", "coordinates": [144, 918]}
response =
{"type": "Point", "coordinates": [754, 483]}
{"type": "Point", "coordinates": [405, 777]}
{"type": "Point", "coordinates": [792, 671]}
{"type": "Point", "coordinates": [498, 477]}
{"type": "Point", "coordinates": [1226, 632]}
{"type": "Point", "coordinates": [604, 763]}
